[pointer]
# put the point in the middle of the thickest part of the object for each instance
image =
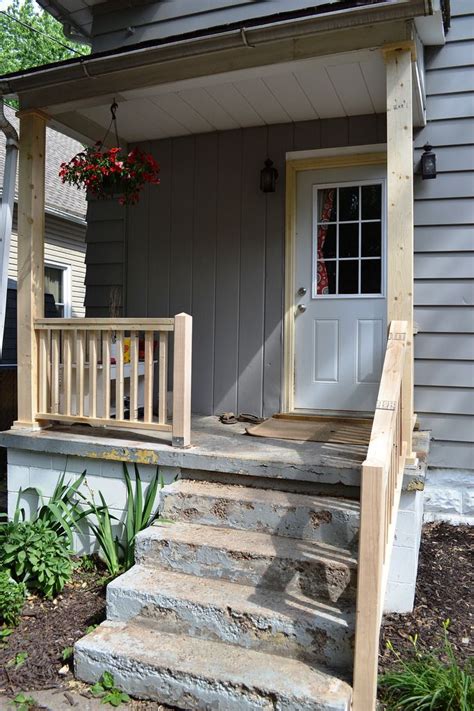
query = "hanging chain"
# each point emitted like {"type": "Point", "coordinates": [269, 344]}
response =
{"type": "Point", "coordinates": [113, 122]}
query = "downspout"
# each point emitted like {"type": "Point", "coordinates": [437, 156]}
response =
{"type": "Point", "coordinates": [6, 211]}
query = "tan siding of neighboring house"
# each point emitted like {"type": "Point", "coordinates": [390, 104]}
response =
{"type": "Point", "coordinates": [65, 245]}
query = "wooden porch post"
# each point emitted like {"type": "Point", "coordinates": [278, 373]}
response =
{"type": "Point", "coordinates": [30, 283]}
{"type": "Point", "coordinates": [400, 217]}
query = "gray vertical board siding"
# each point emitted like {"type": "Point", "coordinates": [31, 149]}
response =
{"type": "Point", "coordinates": [137, 250]}
{"type": "Point", "coordinates": [105, 251]}
{"type": "Point", "coordinates": [204, 267]}
{"type": "Point", "coordinates": [182, 222]}
{"type": "Point", "coordinates": [229, 216]}
{"type": "Point", "coordinates": [279, 138]}
{"type": "Point", "coordinates": [444, 249]}
{"type": "Point", "coordinates": [252, 274]}
{"type": "Point", "coordinates": [208, 242]}
{"type": "Point", "coordinates": [159, 228]}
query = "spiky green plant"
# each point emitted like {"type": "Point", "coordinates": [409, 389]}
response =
{"type": "Point", "coordinates": [118, 550]}
{"type": "Point", "coordinates": [429, 680]}
{"type": "Point", "coordinates": [140, 512]}
{"type": "Point", "coordinates": [62, 511]}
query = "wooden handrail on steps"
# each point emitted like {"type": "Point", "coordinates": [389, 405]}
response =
{"type": "Point", "coordinates": [83, 369]}
{"type": "Point", "coordinates": [381, 485]}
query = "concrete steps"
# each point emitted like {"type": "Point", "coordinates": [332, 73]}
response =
{"type": "Point", "coordinates": [191, 673]}
{"type": "Point", "coordinates": [239, 602]}
{"type": "Point", "coordinates": [250, 558]}
{"type": "Point", "coordinates": [315, 518]}
{"type": "Point", "coordinates": [215, 609]}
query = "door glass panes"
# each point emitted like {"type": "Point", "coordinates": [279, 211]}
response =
{"type": "Point", "coordinates": [54, 284]}
{"type": "Point", "coordinates": [348, 240]}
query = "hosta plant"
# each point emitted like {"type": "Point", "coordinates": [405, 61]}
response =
{"type": "Point", "coordinates": [108, 172]}
{"type": "Point", "coordinates": [36, 555]}
{"type": "Point", "coordinates": [12, 598]}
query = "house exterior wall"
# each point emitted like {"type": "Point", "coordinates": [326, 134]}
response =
{"type": "Point", "coordinates": [64, 245]}
{"type": "Point", "coordinates": [208, 242]}
{"type": "Point", "coordinates": [444, 272]}
{"type": "Point", "coordinates": [116, 25]}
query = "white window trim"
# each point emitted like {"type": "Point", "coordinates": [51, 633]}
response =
{"type": "Point", "coordinates": [67, 283]}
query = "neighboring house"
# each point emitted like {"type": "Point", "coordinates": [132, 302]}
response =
{"type": "Point", "coordinates": [65, 226]}
{"type": "Point", "coordinates": [291, 291]}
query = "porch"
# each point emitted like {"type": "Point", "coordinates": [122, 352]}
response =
{"type": "Point", "coordinates": [76, 372]}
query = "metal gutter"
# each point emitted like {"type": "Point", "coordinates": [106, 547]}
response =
{"type": "Point", "coordinates": [6, 210]}
{"type": "Point", "coordinates": [186, 46]}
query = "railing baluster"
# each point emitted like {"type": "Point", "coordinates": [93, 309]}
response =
{"type": "Point", "coordinates": [67, 371]}
{"type": "Point", "coordinates": [119, 394]}
{"type": "Point", "coordinates": [163, 378]}
{"type": "Point", "coordinates": [55, 371]}
{"type": "Point", "coordinates": [148, 395]}
{"type": "Point", "coordinates": [80, 357]}
{"type": "Point", "coordinates": [133, 376]}
{"type": "Point", "coordinates": [44, 365]}
{"type": "Point", "coordinates": [106, 373]}
{"type": "Point", "coordinates": [93, 374]}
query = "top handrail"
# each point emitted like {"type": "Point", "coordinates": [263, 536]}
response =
{"type": "Point", "coordinates": [105, 324]}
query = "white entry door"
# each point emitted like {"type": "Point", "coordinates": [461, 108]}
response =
{"type": "Point", "coordinates": [340, 328]}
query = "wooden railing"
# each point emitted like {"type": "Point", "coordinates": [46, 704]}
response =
{"type": "Point", "coordinates": [114, 372]}
{"type": "Point", "coordinates": [381, 485]}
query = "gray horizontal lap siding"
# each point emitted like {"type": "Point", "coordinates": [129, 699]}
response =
{"type": "Point", "coordinates": [208, 242]}
{"type": "Point", "coordinates": [444, 250]}
{"type": "Point", "coordinates": [174, 17]}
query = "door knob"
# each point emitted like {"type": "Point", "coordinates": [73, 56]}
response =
{"type": "Point", "coordinates": [302, 308]}
{"type": "Point", "coordinates": [302, 291]}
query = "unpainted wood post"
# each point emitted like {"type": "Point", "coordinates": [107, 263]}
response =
{"type": "Point", "coordinates": [400, 217]}
{"type": "Point", "coordinates": [182, 364]}
{"type": "Point", "coordinates": [30, 286]}
{"type": "Point", "coordinates": [369, 583]}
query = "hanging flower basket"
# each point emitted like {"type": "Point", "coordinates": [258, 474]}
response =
{"type": "Point", "coordinates": [108, 173]}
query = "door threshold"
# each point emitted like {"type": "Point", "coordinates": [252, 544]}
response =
{"type": "Point", "coordinates": [323, 414]}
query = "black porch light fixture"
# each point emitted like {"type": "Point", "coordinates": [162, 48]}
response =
{"type": "Point", "coordinates": [268, 177]}
{"type": "Point", "coordinates": [428, 163]}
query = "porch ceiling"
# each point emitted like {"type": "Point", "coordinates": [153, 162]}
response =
{"type": "Point", "coordinates": [346, 84]}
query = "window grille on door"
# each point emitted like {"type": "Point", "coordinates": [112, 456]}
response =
{"type": "Point", "coordinates": [348, 240]}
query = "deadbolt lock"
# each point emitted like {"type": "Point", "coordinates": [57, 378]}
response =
{"type": "Point", "coordinates": [302, 291]}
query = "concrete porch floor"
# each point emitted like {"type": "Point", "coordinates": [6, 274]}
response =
{"type": "Point", "coordinates": [215, 448]}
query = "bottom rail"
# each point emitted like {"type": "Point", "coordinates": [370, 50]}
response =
{"type": "Point", "coordinates": [103, 422]}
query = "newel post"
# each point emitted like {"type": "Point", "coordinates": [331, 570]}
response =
{"type": "Point", "coordinates": [30, 282]}
{"type": "Point", "coordinates": [400, 212]}
{"type": "Point", "coordinates": [182, 365]}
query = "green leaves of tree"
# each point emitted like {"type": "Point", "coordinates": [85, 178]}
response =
{"type": "Point", "coordinates": [22, 47]}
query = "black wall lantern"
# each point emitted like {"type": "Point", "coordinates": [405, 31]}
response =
{"type": "Point", "coordinates": [428, 163]}
{"type": "Point", "coordinates": [268, 177]}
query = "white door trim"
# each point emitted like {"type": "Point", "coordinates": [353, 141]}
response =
{"type": "Point", "coordinates": [326, 158]}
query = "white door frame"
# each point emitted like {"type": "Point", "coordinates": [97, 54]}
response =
{"type": "Point", "coordinates": [310, 160]}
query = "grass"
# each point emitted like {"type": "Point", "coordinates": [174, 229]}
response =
{"type": "Point", "coordinates": [428, 680]}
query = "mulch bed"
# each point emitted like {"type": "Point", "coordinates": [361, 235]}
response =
{"type": "Point", "coordinates": [444, 590]}
{"type": "Point", "coordinates": [46, 628]}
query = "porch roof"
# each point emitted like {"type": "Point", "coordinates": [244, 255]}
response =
{"type": "Point", "coordinates": [321, 66]}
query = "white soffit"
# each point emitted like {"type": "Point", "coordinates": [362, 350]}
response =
{"type": "Point", "coordinates": [347, 84]}
{"type": "Point", "coordinates": [324, 87]}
